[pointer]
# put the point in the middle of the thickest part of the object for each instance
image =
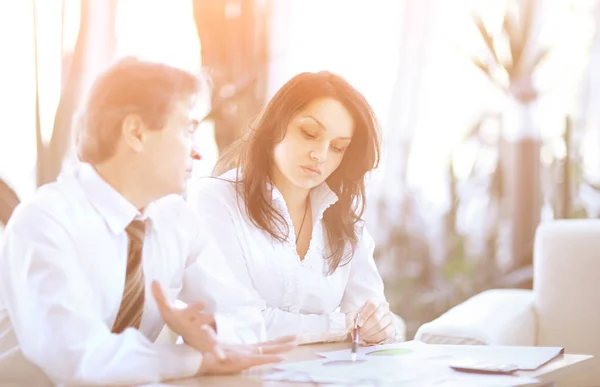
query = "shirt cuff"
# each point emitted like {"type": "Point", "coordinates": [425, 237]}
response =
{"type": "Point", "coordinates": [331, 327]}
{"type": "Point", "coordinates": [178, 361]}
{"type": "Point", "coordinates": [338, 331]}
{"type": "Point", "coordinates": [231, 330]}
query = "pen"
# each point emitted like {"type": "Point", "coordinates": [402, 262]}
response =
{"type": "Point", "coordinates": [355, 337]}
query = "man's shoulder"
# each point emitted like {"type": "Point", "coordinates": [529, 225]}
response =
{"type": "Point", "coordinates": [52, 203]}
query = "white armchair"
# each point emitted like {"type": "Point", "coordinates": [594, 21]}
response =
{"type": "Point", "coordinates": [562, 310]}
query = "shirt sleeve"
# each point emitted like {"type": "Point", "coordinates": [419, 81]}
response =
{"type": "Point", "coordinates": [209, 279]}
{"type": "Point", "coordinates": [215, 206]}
{"type": "Point", "coordinates": [58, 325]}
{"type": "Point", "coordinates": [365, 282]}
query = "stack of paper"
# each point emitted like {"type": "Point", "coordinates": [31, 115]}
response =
{"type": "Point", "coordinates": [525, 358]}
{"type": "Point", "coordinates": [414, 363]}
{"type": "Point", "coordinates": [390, 372]}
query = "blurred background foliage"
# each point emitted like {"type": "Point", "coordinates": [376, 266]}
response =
{"type": "Point", "coordinates": [488, 110]}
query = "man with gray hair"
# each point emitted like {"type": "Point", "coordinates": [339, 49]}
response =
{"type": "Point", "coordinates": [90, 264]}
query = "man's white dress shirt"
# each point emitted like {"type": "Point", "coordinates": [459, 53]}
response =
{"type": "Point", "coordinates": [62, 272]}
{"type": "Point", "coordinates": [298, 296]}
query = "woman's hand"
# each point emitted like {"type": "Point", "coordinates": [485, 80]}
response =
{"type": "Point", "coordinates": [375, 322]}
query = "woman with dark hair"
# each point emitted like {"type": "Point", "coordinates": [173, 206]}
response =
{"type": "Point", "coordinates": [286, 209]}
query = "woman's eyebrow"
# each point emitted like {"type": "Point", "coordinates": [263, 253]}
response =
{"type": "Point", "coordinates": [323, 127]}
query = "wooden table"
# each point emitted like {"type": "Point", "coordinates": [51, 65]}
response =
{"type": "Point", "coordinates": [553, 371]}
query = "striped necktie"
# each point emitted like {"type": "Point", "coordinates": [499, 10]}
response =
{"type": "Point", "coordinates": [132, 303]}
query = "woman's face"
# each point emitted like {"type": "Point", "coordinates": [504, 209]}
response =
{"type": "Point", "coordinates": [314, 144]}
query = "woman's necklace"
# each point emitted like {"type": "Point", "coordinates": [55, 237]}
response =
{"type": "Point", "coordinates": [302, 223]}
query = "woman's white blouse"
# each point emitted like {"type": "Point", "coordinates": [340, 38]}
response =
{"type": "Point", "coordinates": [298, 296]}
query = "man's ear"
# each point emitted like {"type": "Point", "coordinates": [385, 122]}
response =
{"type": "Point", "coordinates": [133, 131]}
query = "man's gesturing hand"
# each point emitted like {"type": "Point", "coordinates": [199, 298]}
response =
{"type": "Point", "coordinates": [191, 323]}
{"type": "Point", "coordinates": [241, 357]}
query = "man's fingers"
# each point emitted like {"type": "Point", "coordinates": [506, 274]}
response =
{"type": "Point", "coordinates": [279, 345]}
{"type": "Point", "coordinates": [213, 343]}
{"type": "Point", "coordinates": [196, 307]}
{"type": "Point", "coordinates": [279, 340]}
{"type": "Point", "coordinates": [211, 335]}
{"type": "Point", "coordinates": [235, 363]}
{"type": "Point", "coordinates": [277, 348]}
{"type": "Point", "coordinates": [194, 312]}
{"type": "Point", "coordinates": [257, 360]}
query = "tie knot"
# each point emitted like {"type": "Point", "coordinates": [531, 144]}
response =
{"type": "Point", "coordinates": [136, 230]}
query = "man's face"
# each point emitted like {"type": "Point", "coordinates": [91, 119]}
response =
{"type": "Point", "coordinates": [170, 151]}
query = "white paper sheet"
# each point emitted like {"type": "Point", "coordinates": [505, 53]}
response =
{"type": "Point", "coordinates": [390, 371]}
{"type": "Point", "coordinates": [301, 377]}
{"type": "Point", "coordinates": [525, 358]}
{"type": "Point", "coordinates": [409, 349]}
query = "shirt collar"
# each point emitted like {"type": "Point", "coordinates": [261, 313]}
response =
{"type": "Point", "coordinates": [117, 211]}
{"type": "Point", "coordinates": [321, 198]}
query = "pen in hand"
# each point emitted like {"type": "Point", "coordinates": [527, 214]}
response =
{"type": "Point", "coordinates": [355, 337]}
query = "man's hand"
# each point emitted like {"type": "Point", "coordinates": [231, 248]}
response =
{"type": "Point", "coordinates": [190, 322]}
{"type": "Point", "coordinates": [376, 322]}
{"type": "Point", "coordinates": [241, 357]}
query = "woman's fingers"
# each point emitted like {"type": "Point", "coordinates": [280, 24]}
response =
{"type": "Point", "coordinates": [374, 320]}
{"type": "Point", "coordinates": [367, 311]}
{"type": "Point", "coordinates": [378, 323]}
{"type": "Point", "coordinates": [384, 333]}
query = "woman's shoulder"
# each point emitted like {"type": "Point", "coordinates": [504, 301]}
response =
{"type": "Point", "coordinates": [223, 187]}
{"type": "Point", "coordinates": [233, 175]}
{"type": "Point", "coordinates": [224, 182]}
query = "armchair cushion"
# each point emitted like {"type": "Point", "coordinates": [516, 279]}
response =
{"type": "Point", "coordinates": [493, 317]}
{"type": "Point", "coordinates": [567, 290]}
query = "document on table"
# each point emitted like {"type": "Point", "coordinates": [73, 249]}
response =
{"type": "Point", "coordinates": [408, 349]}
{"type": "Point", "coordinates": [525, 358]}
{"type": "Point", "coordinates": [389, 371]}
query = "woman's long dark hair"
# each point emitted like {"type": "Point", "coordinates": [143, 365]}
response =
{"type": "Point", "coordinates": [252, 156]}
